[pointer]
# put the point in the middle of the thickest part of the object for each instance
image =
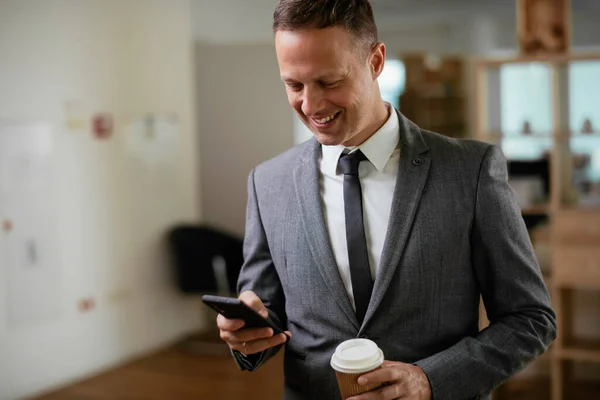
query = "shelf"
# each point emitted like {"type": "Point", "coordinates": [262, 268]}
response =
{"type": "Point", "coordinates": [538, 135]}
{"type": "Point", "coordinates": [536, 209]}
{"type": "Point", "coordinates": [577, 135]}
{"type": "Point", "coordinates": [440, 96]}
{"type": "Point", "coordinates": [523, 389]}
{"type": "Point", "coordinates": [516, 135]}
{"type": "Point", "coordinates": [539, 388]}
{"type": "Point", "coordinates": [578, 208]}
{"type": "Point", "coordinates": [548, 59]}
{"type": "Point", "coordinates": [581, 350]}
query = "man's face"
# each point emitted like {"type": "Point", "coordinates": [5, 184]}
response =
{"type": "Point", "coordinates": [330, 82]}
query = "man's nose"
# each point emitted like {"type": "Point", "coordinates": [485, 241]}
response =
{"type": "Point", "coordinates": [311, 101]}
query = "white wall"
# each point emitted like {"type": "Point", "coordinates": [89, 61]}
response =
{"type": "Point", "coordinates": [244, 119]}
{"type": "Point", "coordinates": [128, 58]}
{"type": "Point", "coordinates": [233, 21]}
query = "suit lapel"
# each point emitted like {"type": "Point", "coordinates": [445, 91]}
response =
{"type": "Point", "coordinates": [306, 184]}
{"type": "Point", "coordinates": [412, 175]}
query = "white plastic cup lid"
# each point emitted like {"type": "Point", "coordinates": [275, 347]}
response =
{"type": "Point", "coordinates": [356, 356]}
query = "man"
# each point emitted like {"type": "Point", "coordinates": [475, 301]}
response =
{"type": "Point", "coordinates": [379, 229]}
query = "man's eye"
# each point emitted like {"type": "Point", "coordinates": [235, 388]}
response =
{"type": "Point", "coordinates": [330, 84]}
{"type": "Point", "coordinates": [294, 86]}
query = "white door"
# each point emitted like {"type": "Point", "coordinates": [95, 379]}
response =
{"type": "Point", "coordinates": [29, 271]}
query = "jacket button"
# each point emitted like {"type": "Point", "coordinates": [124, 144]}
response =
{"type": "Point", "coordinates": [417, 161]}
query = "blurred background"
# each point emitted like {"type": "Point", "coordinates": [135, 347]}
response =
{"type": "Point", "coordinates": [127, 132]}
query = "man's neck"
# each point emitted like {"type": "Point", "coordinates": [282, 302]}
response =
{"type": "Point", "coordinates": [382, 113]}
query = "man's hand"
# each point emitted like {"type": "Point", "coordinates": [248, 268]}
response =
{"type": "Point", "coordinates": [249, 340]}
{"type": "Point", "coordinates": [400, 381]}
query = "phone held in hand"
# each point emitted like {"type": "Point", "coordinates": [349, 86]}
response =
{"type": "Point", "coordinates": [232, 308]}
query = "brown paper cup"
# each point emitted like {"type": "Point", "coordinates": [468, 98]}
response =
{"type": "Point", "coordinates": [349, 386]}
{"type": "Point", "coordinates": [353, 358]}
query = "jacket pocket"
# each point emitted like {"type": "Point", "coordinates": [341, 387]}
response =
{"type": "Point", "coordinates": [295, 371]}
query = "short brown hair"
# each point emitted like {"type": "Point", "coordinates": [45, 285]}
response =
{"type": "Point", "coordinates": [356, 16]}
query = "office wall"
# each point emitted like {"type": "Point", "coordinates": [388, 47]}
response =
{"type": "Point", "coordinates": [244, 119]}
{"type": "Point", "coordinates": [127, 58]}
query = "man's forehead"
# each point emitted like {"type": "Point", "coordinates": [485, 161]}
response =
{"type": "Point", "coordinates": [313, 69]}
{"type": "Point", "coordinates": [311, 57]}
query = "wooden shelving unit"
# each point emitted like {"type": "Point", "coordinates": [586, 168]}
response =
{"type": "Point", "coordinates": [570, 208]}
{"type": "Point", "coordinates": [434, 95]}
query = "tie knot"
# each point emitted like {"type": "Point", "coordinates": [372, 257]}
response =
{"type": "Point", "coordinates": [349, 162]}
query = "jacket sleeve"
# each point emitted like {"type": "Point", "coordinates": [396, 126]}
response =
{"type": "Point", "coordinates": [522, 322]}
{"type": "Point", "coordinates": [259, 275]}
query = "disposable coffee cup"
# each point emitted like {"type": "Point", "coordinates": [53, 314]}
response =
{"type": "Point", "coordinates": [352, 359]}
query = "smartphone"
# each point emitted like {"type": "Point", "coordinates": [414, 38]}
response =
{"type": "Point", "coordinates": [232, 308]}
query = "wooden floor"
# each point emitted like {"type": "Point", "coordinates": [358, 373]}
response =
{"type": "Point", "coordinates": [175, 374]}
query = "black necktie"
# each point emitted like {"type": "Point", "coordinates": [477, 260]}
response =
{"type": "Point", "coordinates": [360, 273]}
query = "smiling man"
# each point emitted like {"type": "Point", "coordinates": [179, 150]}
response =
{"type": "Point", "coordinates": [378, 229]}
{"type": "Point", "coordinates": [329, 86]}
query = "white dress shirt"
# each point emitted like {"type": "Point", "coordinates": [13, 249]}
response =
{"type": "Point", "coordinates": [378, 180]}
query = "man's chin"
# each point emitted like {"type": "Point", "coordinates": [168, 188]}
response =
{"type": "Point", "coordinates": [328, 140]}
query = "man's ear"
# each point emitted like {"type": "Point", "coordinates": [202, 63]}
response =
{"type": "Point", "coordinates": [377, 59]}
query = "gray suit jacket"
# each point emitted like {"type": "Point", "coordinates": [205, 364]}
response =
{"type": "Point", "coordinates": [455, 232]}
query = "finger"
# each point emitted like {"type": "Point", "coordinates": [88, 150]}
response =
{"type": "Point", "coordinates": [256, 346]}
{"type": "Point", "coordinates": [246, 335]}
{"type": "Point", "coordinates": [388, 392]}
{"type": "Point", "coordinates": [389, 373]}
{"type": "Point", "coordinates": [252, 301]}
{"type": "Point", "coordinates": [231, 325]}
{"type": "Point", "coordinates": [395, 391]}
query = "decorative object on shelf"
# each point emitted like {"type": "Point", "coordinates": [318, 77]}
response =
{"type": "Point", "coordinates": [543, 26]}
{"type": "Point", "coordinates": [414, 66]}
{"type": "Point", "coordinates": [587, 126]}
{"type": "Point", "coordinates": [580, 172]}
{"type": "Point", "coordinates": [527, 128]}
{"type": "Point", "coordinates": [590, 196]}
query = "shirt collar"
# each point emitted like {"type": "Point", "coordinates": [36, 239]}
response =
{"type": "Point", "coordinates": [378, 148]}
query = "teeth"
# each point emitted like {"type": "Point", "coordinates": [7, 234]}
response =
{"type": "Point", "coordinates": [326, 119]}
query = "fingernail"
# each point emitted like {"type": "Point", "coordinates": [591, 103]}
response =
{"type": "Point", "coordinates": [362, 381]}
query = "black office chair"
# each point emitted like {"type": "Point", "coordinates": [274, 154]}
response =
{"type": "Point", "coordinates": [206, 261]}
